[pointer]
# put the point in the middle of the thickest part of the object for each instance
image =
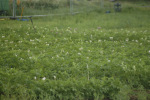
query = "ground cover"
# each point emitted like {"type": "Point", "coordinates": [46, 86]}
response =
{"type": "Point", "coordinates": [94, 56]}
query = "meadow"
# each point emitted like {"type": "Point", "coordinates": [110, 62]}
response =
{"type": "Point", "coordinates": [87, 56]}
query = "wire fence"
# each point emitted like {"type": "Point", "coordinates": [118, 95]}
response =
{"type": "Point", "coordinates": [20, 8]}
{"type": "Point", "coordinates": [48, 7]}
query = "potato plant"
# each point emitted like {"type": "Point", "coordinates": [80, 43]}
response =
{"type": "Point", "coordinates": [74, 58]}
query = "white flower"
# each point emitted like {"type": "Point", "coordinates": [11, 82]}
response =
{"type": "Point", "coordinates": [79, 53]}
{"type": "Point", "coordinates": [47, 44]}
{"type": "Point", "coordinates": [108, 60]}
{"type": "Point", "coordinates": [57, 56]}
{"type": "Point", "coordinates": [149, 51]}
{"type": "Point", "coordinates": [35, 77]}
{"type": "Point", "coordinates": [81, 48]}
{"type": "Point", "coordinates": [127, 39]}
{"type": "Point", "coordinates": [3, 36]}
{"type": "Point", "coordinates": [99, 40]}
{"type": "Point", "coordinates": [28, 50]}
{"type": "Point", "coordinates": [44, 78]}
{"type": "Point", "coordinates": [101, 52]}
{"type": "Point", "coordinates": [11, 42]}
{"type": "Point", "coordinates": [111, 38]}
{"type": "Point", "coordinates": [54, 77]}
{"type": "Point", "coordinates": [134, 68]}
{"type": "Point", "coordinates": [6, 40]}
{"type": "Point", "coordinates": [21, 59]}
{"type": "Point", "coordinates": [136, 40]}
{"type": "Point", "coordinates": [20, 41]}
{"type": "Point", "coordinates": [31, 40]}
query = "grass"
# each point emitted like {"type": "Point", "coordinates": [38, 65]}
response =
{"type": "Point", "coordinates": [94, 56]}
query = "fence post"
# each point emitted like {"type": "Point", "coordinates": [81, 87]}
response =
{"type": "Point", "coordinates": [102, 3]}
{"type": "Point", "coordinates": [14, 9]}
{"type": "Point", "coordinates": [71, 6]}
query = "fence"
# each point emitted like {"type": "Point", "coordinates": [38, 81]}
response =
{"type": "Point", "coordinates": [4, 7]}
{"type": "Point", "coordinates": [48, 7]}
{"type": "Point", "coordinates": [13, 8]}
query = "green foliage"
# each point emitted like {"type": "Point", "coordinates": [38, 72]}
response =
{"type": "Point", "coordinates": [85, 56]}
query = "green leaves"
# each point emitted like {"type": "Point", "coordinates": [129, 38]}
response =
{"type": "Point", "coordinates": [62, 62]}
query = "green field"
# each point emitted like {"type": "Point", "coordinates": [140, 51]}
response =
{"type": "Point", "coordinates": [87, 56]}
